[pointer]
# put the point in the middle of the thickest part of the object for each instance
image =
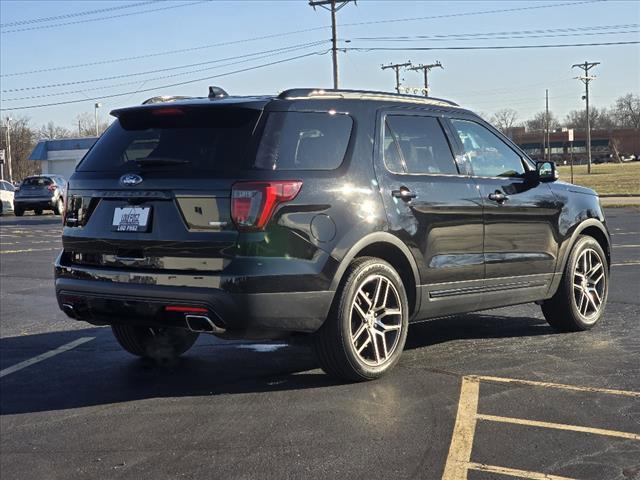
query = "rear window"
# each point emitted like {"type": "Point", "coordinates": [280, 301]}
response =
{"type": "Point", "coordinates": [179, 139]}
{"type": "Point", "coordinates": [304, 141]}
{"type": "Point", "coordinates": [37, 182]}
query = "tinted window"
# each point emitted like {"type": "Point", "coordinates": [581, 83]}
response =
{"type": "Point", "coordinates": [182, 140]}
{"type": "Point", "coordinates": [304, 141]}
{"type": "Point", "coordinates": [417, 145]}
{"type": "Point", "coordinates": [488, 155]}
{"type": "Point", "coordinates": [37, 182]}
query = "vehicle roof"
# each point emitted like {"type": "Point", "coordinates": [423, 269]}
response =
{"type": "Point", "coordinates": [293, 95]}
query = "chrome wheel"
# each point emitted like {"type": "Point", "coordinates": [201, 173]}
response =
{"type": "Point", "coordinates": [376, 320]}
{"type": "Point", "coordinates": [589, 284]}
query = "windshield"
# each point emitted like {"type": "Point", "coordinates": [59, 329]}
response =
{"type": "Point", "coordinates": [190, 140]}
{"type": "Point", "coordinates": [37, 182]}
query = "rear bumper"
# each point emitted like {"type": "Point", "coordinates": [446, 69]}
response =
{"type": "Point", "coordinates": [35, 202]}
{"type": "Point", "coordinates": [105, 303]}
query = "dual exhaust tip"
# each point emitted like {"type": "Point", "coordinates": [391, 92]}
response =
{"type": "Point", "coordinates": [204, 324]}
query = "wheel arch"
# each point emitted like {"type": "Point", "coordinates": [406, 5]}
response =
{"type": "Point", "coordinates": [595, 229]}
{"type": "Point", "coordinates": [389, 248]}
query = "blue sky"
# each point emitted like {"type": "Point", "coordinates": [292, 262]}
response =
{"type": "Point", "coordinates": [483, 80]}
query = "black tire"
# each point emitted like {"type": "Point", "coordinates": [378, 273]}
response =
{"type": "Point", "coordinates": [155, 343]}
{"type": "Point", "coordinates": [59, 208]}
{"type": "Point", "coordinates": [333, 344]}
{"type": "Point", "coordinates": [18, 212]}
{"type": "Point", "coordinates": [562, 310]}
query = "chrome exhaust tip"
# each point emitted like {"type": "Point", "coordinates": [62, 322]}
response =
{"type": "Point", "coordinates": [203, 324]}
{"type": "Point", "coordinates": [69, 310]}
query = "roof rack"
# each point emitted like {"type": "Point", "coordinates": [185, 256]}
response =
{"type": "Point", "coordinates": [315, 93]}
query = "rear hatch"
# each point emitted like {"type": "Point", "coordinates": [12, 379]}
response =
{"type": "Point", "coordinates": [154, 191]}
{"type": "Point", "coordinates": [36, 187]}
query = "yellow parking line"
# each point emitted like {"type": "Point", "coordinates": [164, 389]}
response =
{"type": "Point", "coordinates": [463, 431]}
{"type": "Point", "coordinates": [512, 472]}
{"type": "Point", "coordinates": [559, 426]}
{"type": "Point", "coordinates": [626, 246]}
{"type": "Point", "coordinates": [626, 393]}
{"type": "Point", "coordinates": [29, 250]}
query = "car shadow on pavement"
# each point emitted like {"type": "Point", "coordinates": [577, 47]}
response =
{"type": "Point", "coordinates": [98, 372]}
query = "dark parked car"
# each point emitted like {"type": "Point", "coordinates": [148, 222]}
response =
{"type": "Point", "coordinates": [340, 215]}
{"type": "Point", "coordinates": [40, 192]}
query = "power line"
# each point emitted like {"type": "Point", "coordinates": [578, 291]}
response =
{"type": "Point", "coordinates": [87, 20]}
{"type": "Point", "coordinates": [448, 36]}
{"type": "Point", "coordinates": [158, 54]}
{"type": "Point", "coordinates": [462, 38]}
{"type": "Point", "coordinates": [466, 14]}
{"type": "Point", "coordinates": [101, 97]}
{"type": "Point", "coordinates": [486, 47]}
{"type": "Point", "coordinates": [128, 75]}
{"type": "Point", "coordinates": [282, 34]}
{"type": "Point", "coordinates": [73, 15]}
{"type": "Point", "coordinates": [164, 77]}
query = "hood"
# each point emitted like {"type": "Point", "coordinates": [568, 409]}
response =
{"type": "Point", "coordinates": [570, 187]}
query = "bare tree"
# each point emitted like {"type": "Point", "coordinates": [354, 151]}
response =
{"type": "Point", "coordinates": [23, 140]}
{"type": "Point", "coordinates": [87, 125]}
{"type": "Point", "coordinates": [52, 131]}
{"type": "Point", "coordinates": [626, 111]}
{"type": "Point", "coordinates": [537, 123]}
{"type": "Point", "coordinates": [505, 119]}
{"type": "Point", "coordinates": [600, 119]}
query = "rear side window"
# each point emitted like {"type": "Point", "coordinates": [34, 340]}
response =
{"type": "Point", "coordinates": [416, 145]}
{"type": "Point", "coordinates": [183, 140]}
{"type": "Point", "coordinates": [37, 182]}
{"type": "Point", "coordinates": [304, 141]}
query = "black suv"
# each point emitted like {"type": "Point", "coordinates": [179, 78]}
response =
{"type": "Point", "coordinates": [342, 215]}
{"type": "Point", "coordinates": [40, 192]}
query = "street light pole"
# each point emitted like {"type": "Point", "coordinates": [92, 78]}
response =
{"type": "Point", "coordinates": [96, 107]}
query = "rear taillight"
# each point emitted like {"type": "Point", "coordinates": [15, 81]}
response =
{"type": "Point", "coordinates": [51, 188]}
{"type": "Point", "coordinates": [253, 203]}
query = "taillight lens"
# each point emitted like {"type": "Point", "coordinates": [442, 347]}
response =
{"type": "Point", "coordinates": [253, 203]}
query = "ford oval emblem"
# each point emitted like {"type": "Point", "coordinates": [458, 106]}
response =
{"type": "Point", "coordinates": [130, 179]}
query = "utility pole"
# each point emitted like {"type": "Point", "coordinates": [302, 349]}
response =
{"type": "Point", "coordinates": [8, 152]}
{"type": "Point", "coordinates": [586, 78]}
{"type": "Point", "coordinates": [396, 67]}
{"type": "Point", "coordinates": [546, 123]}
{"type": "Point", "coordinates": [425, 69]}
{"type": "Point", "coordinates": [333, 6]}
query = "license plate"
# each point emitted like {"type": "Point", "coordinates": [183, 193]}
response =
{"type": "Point", "coordinates": [131, 219]}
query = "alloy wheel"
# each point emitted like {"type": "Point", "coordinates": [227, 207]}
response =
{"type": "Point", "coordinates": [376, 320]}
{"type": "Point", "coordinates": [589, 284]}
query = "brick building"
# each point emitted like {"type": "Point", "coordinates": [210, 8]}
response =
{"type": "Point", "coordinates": [625, 140]}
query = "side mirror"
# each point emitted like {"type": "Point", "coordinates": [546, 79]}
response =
{"type": "Point", "coordinates": [546, 171]}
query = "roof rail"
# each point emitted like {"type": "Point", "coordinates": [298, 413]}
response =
{"type": "Point", "coordinates": [316, 93]}
{"type": "Point", "coordinates": [164, 99]}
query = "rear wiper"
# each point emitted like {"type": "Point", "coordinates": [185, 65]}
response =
{"type": "Point", "coordinates": [151, 161]}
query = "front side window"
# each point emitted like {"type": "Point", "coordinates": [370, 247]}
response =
{"type": "Point", "coordinates": [304, 141]}
{"type": "Point", "coordinates": [487, 154]}
{"type": "Point", "coordinates": [416, 145]}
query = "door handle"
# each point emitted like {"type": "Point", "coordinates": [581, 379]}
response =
{"type": "Point", "coordinates": [404, 193]}
{"type": "Point", "coordinates": [498, 196]}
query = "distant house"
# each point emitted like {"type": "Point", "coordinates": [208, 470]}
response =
{"type": "Point", "coordinates": [61, 156]}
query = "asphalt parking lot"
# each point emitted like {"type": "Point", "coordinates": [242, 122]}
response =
{"type": "Point", "coordinates": [491, 395]}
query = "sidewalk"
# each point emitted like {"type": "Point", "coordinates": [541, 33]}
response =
{"type": "Point", "coordinates": [620, 201]}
